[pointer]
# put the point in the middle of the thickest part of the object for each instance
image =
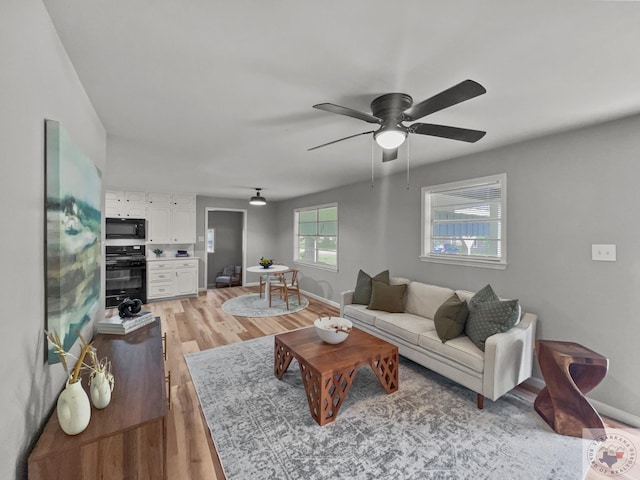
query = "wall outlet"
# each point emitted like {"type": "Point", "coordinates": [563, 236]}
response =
{"type": "Point", "coordinates": [603, 253]}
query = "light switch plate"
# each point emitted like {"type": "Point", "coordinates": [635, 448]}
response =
{"type": "Point", "coordinates": [603, 253]}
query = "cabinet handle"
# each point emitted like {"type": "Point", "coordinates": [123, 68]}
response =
{"type": "Point", "coordinates": [168, 378]}
{"type": "Point", "coordinates": [164, 346]}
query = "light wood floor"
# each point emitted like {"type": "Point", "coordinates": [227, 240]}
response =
{"type": "Point", "coordinates": [195, 324]}
{"type": "Point", "coordinates": [198, 323]}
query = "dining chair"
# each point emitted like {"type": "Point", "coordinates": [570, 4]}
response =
{"type": "Point", "coordinates": [263, 281]}
{"type": "Point", "coordinates": [285, 287]}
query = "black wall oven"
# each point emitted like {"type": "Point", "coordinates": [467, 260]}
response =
{"type": "Point", "coordinates": [126, 274]}
{"type": "Point", "coordinates": [127, 228]}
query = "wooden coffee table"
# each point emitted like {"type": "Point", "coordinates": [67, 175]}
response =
{"type": "Point", "coordinates": [328, 370]}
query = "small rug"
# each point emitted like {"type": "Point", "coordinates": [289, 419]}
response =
{"type": "Point", "coordinates": [429, 429]}
{"type": "Point", "coordinates": [253, 306]}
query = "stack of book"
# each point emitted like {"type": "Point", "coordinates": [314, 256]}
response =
{"type": "Point", "coordinates": [122, 326]}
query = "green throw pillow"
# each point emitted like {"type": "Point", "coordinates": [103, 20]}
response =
{"type": "Point", "coordinates": [451, 318]}
{"type": "Point", "coordinates": [389, 298]}
{"type": "Point", "coordinates": [362, 294]}
{"type": "Point", "coordinates": [488, 315]}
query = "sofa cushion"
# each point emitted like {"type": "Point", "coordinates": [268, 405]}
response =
{"type": "Point", "coordinates": [424, 300]}
{"type": "Point", "coordinates": [389, 298]}
{"type": "Point", "coordinates": [399, 281]}
{"type": "Point", "coordinates": [404, 325]}
{"type": "Point", "coordinates": [488, 315]}
{"type": "Point", "coordinates": [360, 312]}
{"type": "Point", "coordinates": [460, 350]}
{"type": "Point", "coordinates": [467, 296]}
{"type": "Point", "coordinates": [451, 318]}
{"type": "Point", "coordinates": [362, 293]}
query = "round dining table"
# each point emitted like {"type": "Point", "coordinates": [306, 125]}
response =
{"type": "Point", "coordinates": [268, 273]}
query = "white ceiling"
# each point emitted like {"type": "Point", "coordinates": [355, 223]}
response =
{"type": "Point", "coordinates": [215, 97]}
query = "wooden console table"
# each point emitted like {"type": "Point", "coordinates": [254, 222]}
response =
{"type": "Point", "coordinates": [127, 439]}
{"type": "Point", "coordinates": [569, 370]}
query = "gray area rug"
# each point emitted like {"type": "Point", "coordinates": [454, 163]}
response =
{"type": "Point", "coordinates": [253, 306]}
{"type": "Point", "coordinates": [429, 429]}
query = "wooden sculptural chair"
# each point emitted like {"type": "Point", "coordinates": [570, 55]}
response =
{"type": "Point", "coordinates": [263, 281]}
{"type": "Point", "coordinates": [285, 287]}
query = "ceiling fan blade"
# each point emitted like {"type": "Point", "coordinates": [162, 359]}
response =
{"type": "Point", "coordinates": [458, 93]}
{"type": "Point", "coordinates": [339, 140]}
{"type": "Point", "coordinates": [349, 112]}
{"type": "Point", "coordinates": [388, 155]}
{"type": "Point", "coordinates": [454, 133]}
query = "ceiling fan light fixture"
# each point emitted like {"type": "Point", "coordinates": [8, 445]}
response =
{"type": "Point", "coordinates": [390, 138]}
{"type": "Point", "coordinates": [258, 199]}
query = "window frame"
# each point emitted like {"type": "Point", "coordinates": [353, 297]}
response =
{"type": "Point", "coordinates": [296, 222]}
{"type": "Point", "coordinates": [426, 253]}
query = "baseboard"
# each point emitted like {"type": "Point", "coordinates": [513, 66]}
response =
{"type": "Point", "coordinates": [602, 408]}
{"type": "Point", "coordinates": [320, 299]}
{"type": "Point", "coordinates": [304, 292]}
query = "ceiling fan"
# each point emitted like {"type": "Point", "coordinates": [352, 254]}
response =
{"type": "Point", "coordinates": [392, 109]}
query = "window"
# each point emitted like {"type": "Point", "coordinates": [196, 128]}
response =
{"type": "Point", "coordinates": [464, 222]}
{"type": "Point", "coordinates": [211, 240]}
{"type": "Point", "coordinates": [316, 236]}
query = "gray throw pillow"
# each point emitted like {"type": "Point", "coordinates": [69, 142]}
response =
{"type": "Point", "coordinates": [451, 318]}
{"type": "Point", "coordinates": [362, 293]}
{"type": "Point", "coordinates": [488, 315]}
{"type": "Point", "coordinates": [389, 298]}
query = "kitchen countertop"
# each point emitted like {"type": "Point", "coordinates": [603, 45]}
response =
{"type": "Point", "coordinates": [170, 259]}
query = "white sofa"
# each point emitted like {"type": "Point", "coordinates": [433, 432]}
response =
{"type": "Point", "coordinates": [506, 362]}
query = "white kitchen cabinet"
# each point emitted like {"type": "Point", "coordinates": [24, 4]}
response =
{"type": "Point", "coordinates": [159, 228]}
{"type": "Point", "coordinates": [180, 200]}
{"type": "Point", "coordinates": [184, 225]}
{"type": "Point", "coordinates": [120, 204]}
{"type": "Point", "coordinates": [159, 199]}
{"type": "Point", "coordinates": [172, 278]}
{"type": "Point", "coordinates": [172, 218]}
{"type": "Point", "coordinates": [186, 281]}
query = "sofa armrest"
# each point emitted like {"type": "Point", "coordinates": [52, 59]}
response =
{"type": "Point", "coordinates": [508, 357]}
{"type": "Point", "coordinates": [346, 298]}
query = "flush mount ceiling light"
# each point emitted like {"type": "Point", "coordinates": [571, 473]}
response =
{"type": "Point", "coordinates": [390, 137]}
{"type": "Point", "coordinates": [258, 199]}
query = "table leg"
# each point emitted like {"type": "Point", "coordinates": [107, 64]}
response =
{"type": "Point", "coordinates": [386, 369]}
{"type": "Point", "coordinates": [282, 359]}
{"type": "Point", "coordinates": [326, 393]}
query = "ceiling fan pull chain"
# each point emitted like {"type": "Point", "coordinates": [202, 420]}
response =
{"type": "Point", "coordinates": [372, 158]}
{"type": "Point", "coordinates": [408, 143]}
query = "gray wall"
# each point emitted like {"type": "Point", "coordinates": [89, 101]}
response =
{"type": "Point", "coordinates": [227, 242]}
{"type": "Point", "coordinates": [260, 235]}
{"type": "Point", "coordinates": [38, 82]}
{"type": "Point", "coordinates": [565, 192]}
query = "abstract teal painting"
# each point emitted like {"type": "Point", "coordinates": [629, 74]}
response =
{"type": "Point", "coordinates": [73, 237]}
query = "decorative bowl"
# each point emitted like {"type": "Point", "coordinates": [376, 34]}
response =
{"type": "Point", "coordinates": [333, 329]}
{"type": "Point", "coordinates": [266, 262]}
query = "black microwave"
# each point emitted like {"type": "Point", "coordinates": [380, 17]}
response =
{"type": "Point", "coordinates": [125, 228]}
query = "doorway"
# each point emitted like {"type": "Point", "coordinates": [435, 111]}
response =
{"type": "Point", "coordinates": [225, 242]}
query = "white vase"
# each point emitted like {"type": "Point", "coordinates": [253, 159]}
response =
{"type": "Point", "coordinates": [100, 390]}
{"type": "Point", "coordinates": [73, 409]}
